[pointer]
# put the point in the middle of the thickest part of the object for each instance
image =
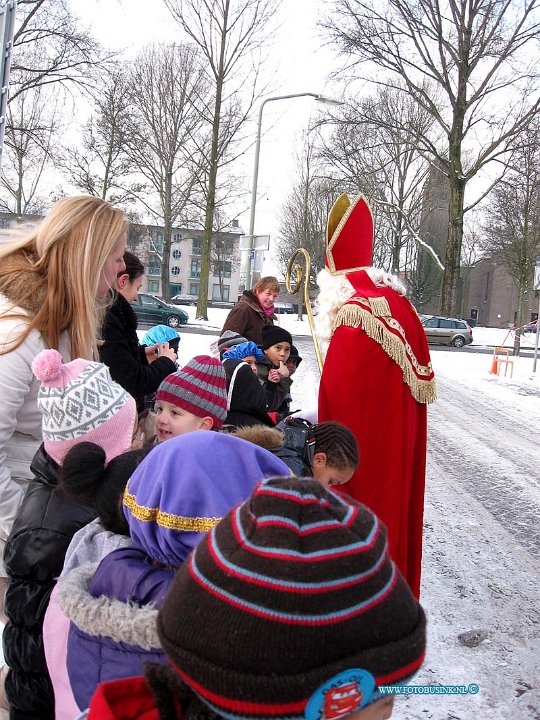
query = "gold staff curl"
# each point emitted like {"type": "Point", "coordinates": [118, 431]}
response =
{"type": "Point", "coordinates": [302, 277]}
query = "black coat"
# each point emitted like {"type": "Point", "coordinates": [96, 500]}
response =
{"type": "Point", "coordinates": [125, 358]}
{"type": "Point", "coordinates": [34, 557]}
{"type": "Point", "coordinates": [246, 398]}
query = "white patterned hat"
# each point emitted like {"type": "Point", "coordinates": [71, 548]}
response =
{"type": "Point", "coordinates": [80, 402]}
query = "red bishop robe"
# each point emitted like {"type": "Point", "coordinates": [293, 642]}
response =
{"type": "Point", "coordinates": [376, 380]}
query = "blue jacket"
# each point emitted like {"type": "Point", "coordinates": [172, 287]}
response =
{"type": "Point", "coordinates": [113, 609]}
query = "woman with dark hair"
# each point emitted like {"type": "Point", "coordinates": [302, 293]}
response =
{"type": "Point", "coordinates": [254, 310]}
{"type": "Point", "coordinates": [137, 368]}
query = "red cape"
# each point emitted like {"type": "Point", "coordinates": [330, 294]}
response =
{"type": "Point", "coordinates": [376, 380]}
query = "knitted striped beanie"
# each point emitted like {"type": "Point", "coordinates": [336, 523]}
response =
{"type": "Point", "coordinates": [292, 588]}
{"type": "Point", "coordinates": [200, 387]}
{"type": "Point", "coordinates": [229, 339]}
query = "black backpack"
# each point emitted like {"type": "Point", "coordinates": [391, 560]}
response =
{"type": "Point", "coordinates": [298, 446]}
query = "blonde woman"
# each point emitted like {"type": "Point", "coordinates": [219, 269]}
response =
{"type": "Point", "coordinates": [54, 286]}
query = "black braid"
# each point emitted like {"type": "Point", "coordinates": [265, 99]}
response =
{"type": "Point", "coordinates": [338, 443]}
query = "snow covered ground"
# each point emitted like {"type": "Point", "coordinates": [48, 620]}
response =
{"type": "Point", "coordinates": [481, 566]}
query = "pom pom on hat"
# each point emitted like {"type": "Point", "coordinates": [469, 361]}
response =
{"type": "Point", "coordinates": [47, 365]}
{"type": "Point", "coordinates": [80, 402]}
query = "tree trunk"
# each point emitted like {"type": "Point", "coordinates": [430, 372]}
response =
{"type": "Point", "coordinates": [165, 283]}
{"type": "Point", "coordinates": [453, 246]}
{"type": "Point", "coordinates": [202, 302]}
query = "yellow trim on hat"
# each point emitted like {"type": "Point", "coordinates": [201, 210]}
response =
{"type": "Point", "coordinates": [339, 214]}
{"type": "Point", "coordinates": [169, 521]}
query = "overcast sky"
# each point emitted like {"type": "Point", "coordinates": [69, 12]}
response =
{"type": "Point", "coordinates": [298, 63]}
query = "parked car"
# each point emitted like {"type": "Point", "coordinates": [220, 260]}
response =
{"type": "Point", "coordinates": [284, 308]}
{"type": "Point", "coordinates": [447, 331]}
{"type": "Point", "coordinates": [184, 299]}
{"type": "Point", "coordinates": [155, 311]}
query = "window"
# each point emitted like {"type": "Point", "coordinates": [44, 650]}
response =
{"type": "Point", "coordinates": [176, 288]}
{"type": "Point", "coordinates": [175, 270]}
{"type": "Point", "coordinates": [177, 254]}
{"type": "Point", "coordinates": [149, 301]}
{"type": "Point", "coordinates": [194, 289]}
{"type": "Point", "coordinates": [158, 242]}
{"type": "Point", "coordinates": [449, 324]}
{"type": "Point", "coordinates": [154, 268]}
{"type": "Point", "coordinates": [153, 286]}
{"type": "Point", "coordinates": [216, 293]}
{"type": "Point", "coordinates": [460, 325]}
{"type": "Point", "coordinates": [176, 238]}
{"type": "Point", "coordinates": [431, 323]}
{"type": "Point", "coordinates": [196, 247]}
{"type": "Point", "coordinates": [195, 268]}
{"type": "Point", "coordinates": [225, 266]}
{"type": "Point", "coordinates": [4, 223]}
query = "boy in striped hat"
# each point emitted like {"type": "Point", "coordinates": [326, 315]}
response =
{"type": "Point", "coordinates": [289, 609]}
{"type": "Point", "coordinates": [194, 398]}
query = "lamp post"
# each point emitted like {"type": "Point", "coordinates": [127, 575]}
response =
{"type": "Point", "coordinates": [318, 98]}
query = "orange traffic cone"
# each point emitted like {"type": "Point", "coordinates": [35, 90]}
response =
{"type": "Point", "coordinates": [494, 368]}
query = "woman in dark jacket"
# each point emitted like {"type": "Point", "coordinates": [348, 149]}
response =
{"type": "Point", "coordinates": [135, 367]}
{"type": "Point", "coordinates": [254, 310]}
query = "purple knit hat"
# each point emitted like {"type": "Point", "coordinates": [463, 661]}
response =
{"type": "Point", "coordinates": [185, 485]}
{"type": "Point", "coordinates": [80, 402]}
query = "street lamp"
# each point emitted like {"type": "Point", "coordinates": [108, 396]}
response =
{"type": "Point", "coordinates": [318, 98]}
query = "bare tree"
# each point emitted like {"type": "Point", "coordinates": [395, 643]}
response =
{"type": "Point", "coordinates": [470, 64]}
{"type": "Point", "coordinates": [32, 130]}
{"type": "Point", "coordinates": [50, 47]}
{"type": "Point", "coordinates": [512, 228]}
{"type": "Point", "coordinates": [165, 85]}
{"type": "Point", "coordinates": [230, 35]}
{"type": "Point", "coordinates": [379, 159]}
{"type": "Point", "coordinates": [101, 167]}
{"type": "Point", "coordinates": [305, 211]}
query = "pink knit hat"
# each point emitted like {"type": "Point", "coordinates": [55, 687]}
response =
{"type": "Point", "coordinates": [80, 402]}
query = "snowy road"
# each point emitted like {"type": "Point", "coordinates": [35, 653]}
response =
{"type": "Point", "coordinates": [481, 565]}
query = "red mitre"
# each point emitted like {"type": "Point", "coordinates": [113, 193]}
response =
{"type": "Point", "coordinates": [349, 235]}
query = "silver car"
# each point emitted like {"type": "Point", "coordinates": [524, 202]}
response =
{"type": "Point", "coordinates": [447, 331]}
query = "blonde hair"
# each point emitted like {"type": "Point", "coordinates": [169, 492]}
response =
{"type": "Point", "coordinates": [54, 273]}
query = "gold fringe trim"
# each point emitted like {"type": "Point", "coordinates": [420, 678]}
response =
{"type": "Point", "coordinates": [168, 520]}
{"type": "Point", "coordinates": [398, 349]}
{"type": "Point", "coordinates": [379, 307]}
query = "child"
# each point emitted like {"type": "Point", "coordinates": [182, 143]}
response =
{"type": "Point", "coordinates": [327, 451]}
{"type": "Point", "coordinates": [79, 402]}
{"type": "Point", "coordinates": [273, 374]}
{"type": "Point", "coordinates": [178, 492]}
{"type": "Point", "coordinates": [246, 399]}
{"type": "Point", "coordinates": [293, 361]}
{"type": "Point", "coordinates": [86, 478]}
{"type": "Point", "coordinates": [194, 398]}
{"type": "Point", "coordinates": [300, 613]}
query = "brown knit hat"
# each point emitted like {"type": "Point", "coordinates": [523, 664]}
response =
{"type": "Point", "coordinates": [200, 387]}
{"type": "Point", "coordinates": [292, 589]}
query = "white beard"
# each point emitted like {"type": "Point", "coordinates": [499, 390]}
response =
{"type": "Point", "coordinates": [335, 290]}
